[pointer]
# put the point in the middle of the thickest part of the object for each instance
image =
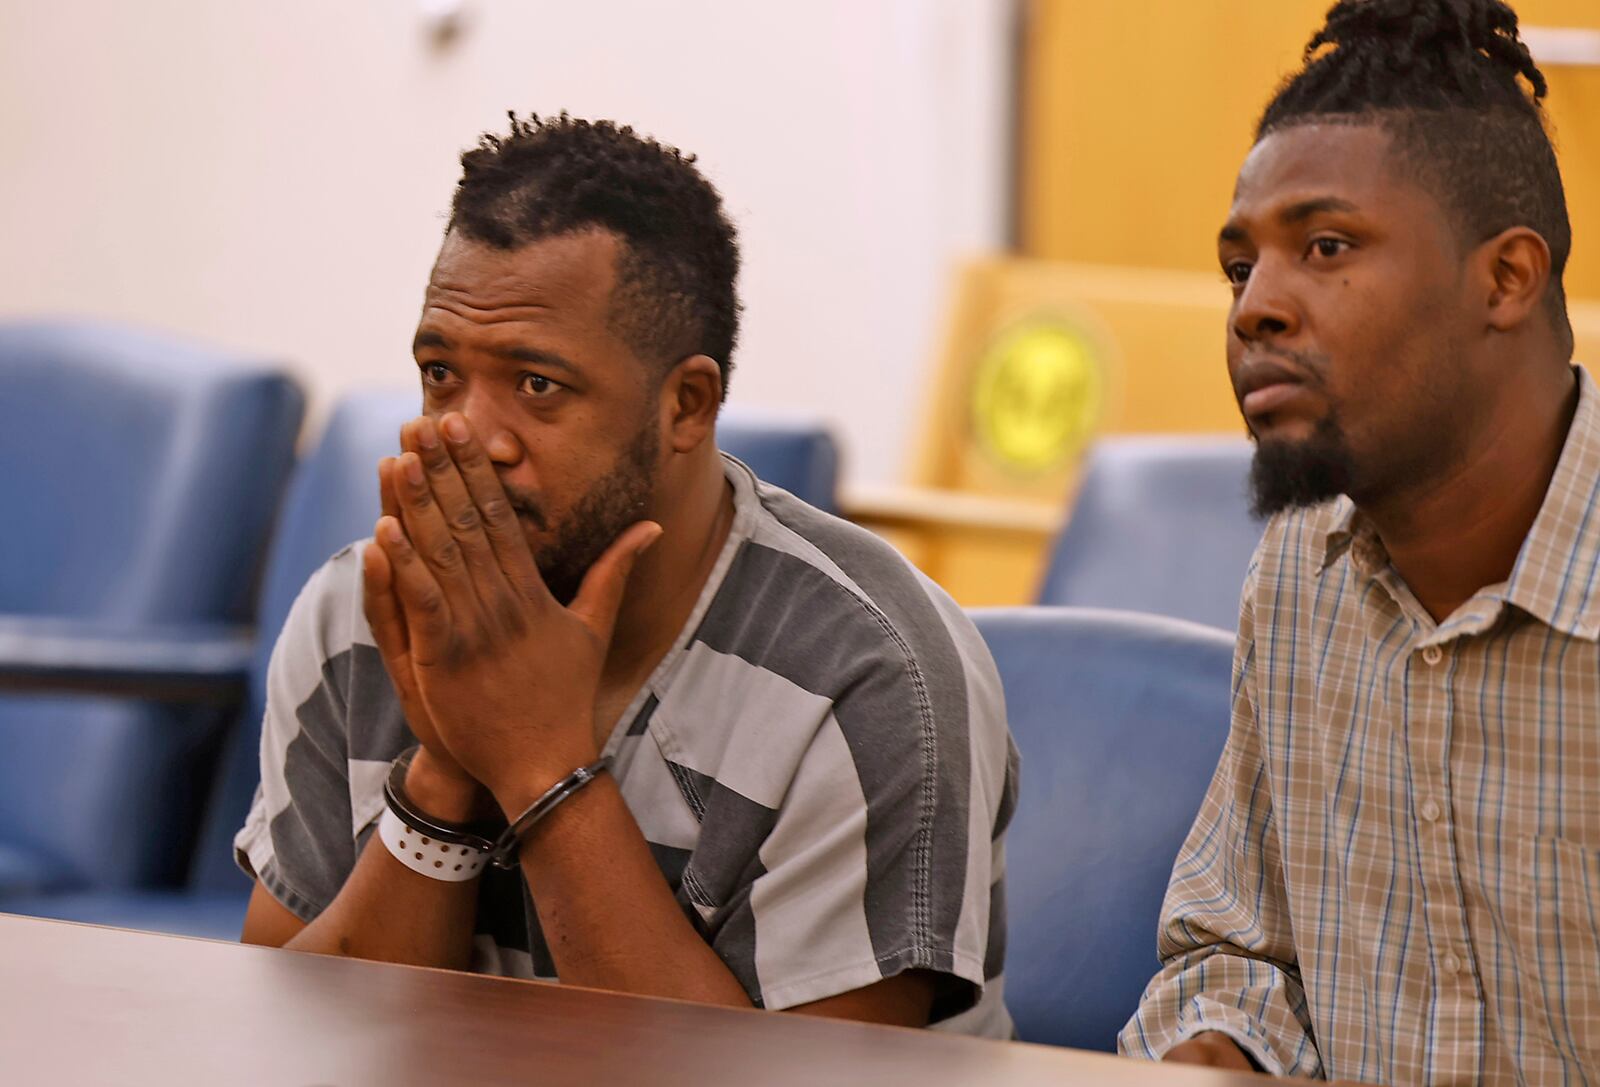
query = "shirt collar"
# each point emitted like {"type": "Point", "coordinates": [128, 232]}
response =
{"type": "Point", "coordinates": [1346, 523]}
{"type": "Point", "coordinates": [1556, 578]}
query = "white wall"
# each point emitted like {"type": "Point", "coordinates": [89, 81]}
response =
{"type": "Point", "coordinates": [273, 175]}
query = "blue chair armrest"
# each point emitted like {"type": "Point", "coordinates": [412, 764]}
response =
{"type": "Point", "coordinates": [212, 916]}
{"type": "Point", "coordinates": [179, 662]}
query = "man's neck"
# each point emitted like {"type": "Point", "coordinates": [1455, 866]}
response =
{"type": "Point", "coordinates": [667, 581]}
{"type": "Point", "coordinates": [1460, 531]}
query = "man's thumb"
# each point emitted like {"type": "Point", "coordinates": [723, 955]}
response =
{"type": "Point", "coordinates": [600, 596]}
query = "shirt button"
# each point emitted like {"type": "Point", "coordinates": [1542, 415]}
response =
{"type": "Point", "coordinates": [1431, 811]}
{"type": "Point", "coordinates": [1450, 964]}
{"type": "Point", "coordinates": [1433, 654]}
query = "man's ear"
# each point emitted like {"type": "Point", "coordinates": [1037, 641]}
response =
{"type": "Point", "coordinates": [1516, 265]}
{"type": "Point", "coordinates": [690, 398]}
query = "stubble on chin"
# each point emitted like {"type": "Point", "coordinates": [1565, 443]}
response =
{"type": "Point", "coordinates": [618, 500]}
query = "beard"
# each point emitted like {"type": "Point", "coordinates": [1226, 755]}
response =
{"type": "Point", "coordinates": [618, 499]}
{"type": "Point", "coordinates": [1294, 475]}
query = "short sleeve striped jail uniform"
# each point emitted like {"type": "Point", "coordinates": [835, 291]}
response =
{"type": "Point", "coordinates": [820, 764]}
{"type": "Point", "coordinates": [1395, 875]}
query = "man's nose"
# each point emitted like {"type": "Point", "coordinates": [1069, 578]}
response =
{"type": "Point", "coordinates": [1265, 308]}
{"type": "Point", "coordinates": [498, 440]}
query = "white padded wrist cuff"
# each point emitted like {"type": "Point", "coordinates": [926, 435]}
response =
{"type": "Point", "coordinates": [429, 856]}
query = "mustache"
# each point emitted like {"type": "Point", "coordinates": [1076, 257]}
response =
{"type": "Point", "coordinates": [1312, 364]}
{"type": "Point", "coordinates": [1266, 365]}
{"type": "Point", "coordinates": [525, 506]}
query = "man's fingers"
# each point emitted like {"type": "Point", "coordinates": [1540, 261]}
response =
{"type": "Point", "coordinates": [378, 601]}
{"type": "Point", "coordinates": [458, 510]}
{"type": "Point", "coordinates": [499, 520]}
{"type": "Point", "coordinates": [388, 499]}
{"type": "Point", "coordinates": [600, 595]}
{"type": "Point", "coordinates": [424, 606]}
{"type": "Point", "coordinates": [429, 535]}
{"type": "Point", "coordinates": [384, 615]}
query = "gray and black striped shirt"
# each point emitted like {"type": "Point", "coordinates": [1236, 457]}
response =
{"type": "Point", "coordinates": [820, 764]}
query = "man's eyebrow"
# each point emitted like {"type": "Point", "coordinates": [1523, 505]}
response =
{"type": "Point", "coordinates": [538, 357]}
{"type": "Point", "coordinates": [1232, 233]}
{"type": "Point", "coordinates": [1305, 209]}
{"type": "Point", "coordinates": [429, 339]}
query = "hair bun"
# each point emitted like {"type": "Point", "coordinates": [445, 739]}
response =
{"type": "Point", "coordinates": [1410, 33]}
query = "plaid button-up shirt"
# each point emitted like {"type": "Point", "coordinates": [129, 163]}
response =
{"type": "Point", "coordinates": [1395, 875]}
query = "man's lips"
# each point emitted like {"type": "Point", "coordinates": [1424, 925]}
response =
{"type": "Point", "coordinates": [1270, 398]}
{"type": "Point", "coordinates": [528, 513]}
{"type": "Point", "coordinates": [1265, 386]}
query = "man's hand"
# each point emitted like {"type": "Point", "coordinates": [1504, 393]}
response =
{"type": "Point", "coordinates": [505, 677]}
{"type": "Point", "coordinates": [1212, 1048]}
{"type": "Point", "coordinates": [435, 781]}
{"type": "Point", "coordinates": [388, 624]}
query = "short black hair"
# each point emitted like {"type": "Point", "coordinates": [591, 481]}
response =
{"type": "Point", "coordinates": [675, 292]}
{"type": "Point", "coordinates": [1460, 95]}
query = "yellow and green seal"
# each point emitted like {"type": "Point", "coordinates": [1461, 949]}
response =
{"type": "Point", "coordinates": [1037, 396]}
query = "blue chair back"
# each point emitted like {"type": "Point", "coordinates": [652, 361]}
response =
{"type": "Point", "coordinates": [1120, 718]}
{"type": "Point", "coordinates": [145, 473]}
{"type": "Point", "coordinates": [149, 468]}
{"type": "Point", "coordinates": [1160, 524]}
{"type": "Point", "coordinates": [796, 454]}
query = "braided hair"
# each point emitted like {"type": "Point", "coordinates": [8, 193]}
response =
{"type": "Point", "coordinates": [675, 290]}
{"type": "Point", "coordinates": [1461, 97]}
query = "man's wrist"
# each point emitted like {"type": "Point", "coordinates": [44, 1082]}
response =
{"type": "Point", "coordinates": [522, 789]}
{"type": "Point", "coordinates": [573, 814]}
{"type": "Point", "coordinates": [445, 791]}
{"type": "Point", "coordinates": [1215, 1048]}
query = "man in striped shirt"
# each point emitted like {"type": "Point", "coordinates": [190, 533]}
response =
{"type": "Point", "coordinates": [763, 761]}
{"type": "Point", "coordinates": [1395, 875]}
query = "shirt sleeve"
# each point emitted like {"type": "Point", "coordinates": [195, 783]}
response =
{"type": "Point", "coordinates": [297, 840]}
{"type": "Point", "coordinates": [883, 855]}
{"type": "Point", "coordinates": [1226, 941]}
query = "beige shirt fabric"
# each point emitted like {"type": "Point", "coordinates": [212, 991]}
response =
{"type": "Point", "coordinates": [1395, 874]}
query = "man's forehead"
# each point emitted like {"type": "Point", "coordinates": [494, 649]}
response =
{"type": "Point", "coordinates": [1344, 162]}
{"type": "Point", "coordinates": [566, 269]}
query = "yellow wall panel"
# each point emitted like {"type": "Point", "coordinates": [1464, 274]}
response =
{"type": "Point", "coordinates": [1137, 114]}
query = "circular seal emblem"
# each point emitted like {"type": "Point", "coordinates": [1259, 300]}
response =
{"type": "Point", "coordinates": [1037, 396]}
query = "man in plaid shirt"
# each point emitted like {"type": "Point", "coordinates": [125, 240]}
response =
{"type": "Point", "coordinates": [1395, 875]}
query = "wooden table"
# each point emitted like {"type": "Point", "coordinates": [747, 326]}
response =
{"type": "Point", "coordinates": [87, 1005]}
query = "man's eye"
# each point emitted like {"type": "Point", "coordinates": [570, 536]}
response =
{"type": "Point", "coordinates": [1237, 271]}
{"type": "Point", "coordinates": [435, 373]}
{"type": "Point", "coordinates": [1330, 247]}
{"type": "Point", "coordinates": [537, 385]}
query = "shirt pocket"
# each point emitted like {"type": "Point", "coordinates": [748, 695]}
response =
{"type": "Point", "coordinates": [1559, 956]}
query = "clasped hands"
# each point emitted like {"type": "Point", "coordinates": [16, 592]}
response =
{"type": "Point", "coordinates": [496, 678]}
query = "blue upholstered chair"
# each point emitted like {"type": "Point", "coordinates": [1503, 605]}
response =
{"type": "Point", "coordinates": [1120, 718]}
{"type": "Point", "coordinates": [142, 475]}
{"type": "Point", "coordinates": [1160, 524]}
{"type": "Point", "coordinates": [791, 452]}
{"type": "Point", "coordinates": [332, 501]}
